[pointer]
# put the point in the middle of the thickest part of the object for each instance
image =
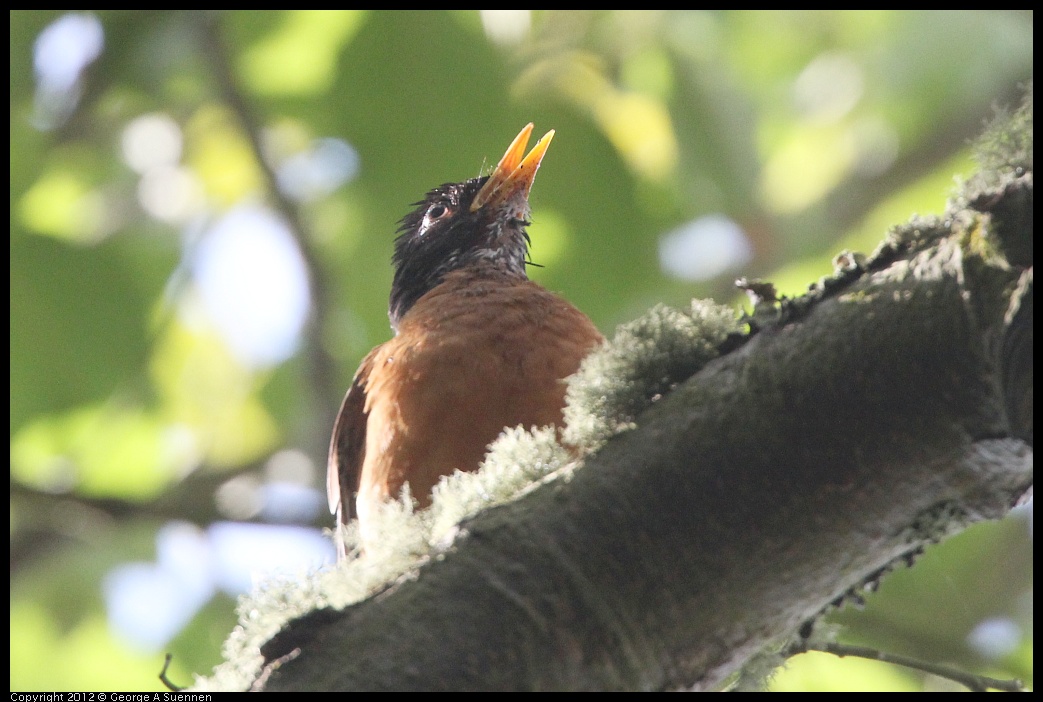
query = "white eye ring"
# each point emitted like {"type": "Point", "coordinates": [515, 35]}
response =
{"type": "Point", "coordinates": [434, 213]}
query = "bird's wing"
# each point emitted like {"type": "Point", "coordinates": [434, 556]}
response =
{"type": "Point", "coordinates": [348, 446]}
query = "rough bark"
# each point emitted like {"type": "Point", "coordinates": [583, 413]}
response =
{"type": "Point", "coordinates": [889, 407]}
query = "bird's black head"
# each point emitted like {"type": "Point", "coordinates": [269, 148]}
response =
{"type": "Point", "coordinates": [458, 225]}
{"type": "Point", "coordinates": [442, 235]}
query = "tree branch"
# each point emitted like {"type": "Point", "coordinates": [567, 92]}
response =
{"type": "Point", "coordinates": [881, 412]}
{"type": "Point", "coordinates": [975, 683]}
{"type": "Point", "coordinates": [321, 365]}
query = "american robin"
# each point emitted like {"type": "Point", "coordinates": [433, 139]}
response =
{"type": "Point", "coordinates": [478, 346]}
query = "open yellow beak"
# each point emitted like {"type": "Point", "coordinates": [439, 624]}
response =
{"type": "Point", "coordinates": [513, 174]}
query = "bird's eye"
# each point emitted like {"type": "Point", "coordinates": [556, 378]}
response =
{"type": "Point", "coordinates": [435, 212]}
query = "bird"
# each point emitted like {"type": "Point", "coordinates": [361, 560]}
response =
{"type": "Point", "coordinates": [477, 347]}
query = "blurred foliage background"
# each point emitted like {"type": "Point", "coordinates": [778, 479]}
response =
{"type": "Point", "coordinates": [202, 213]}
